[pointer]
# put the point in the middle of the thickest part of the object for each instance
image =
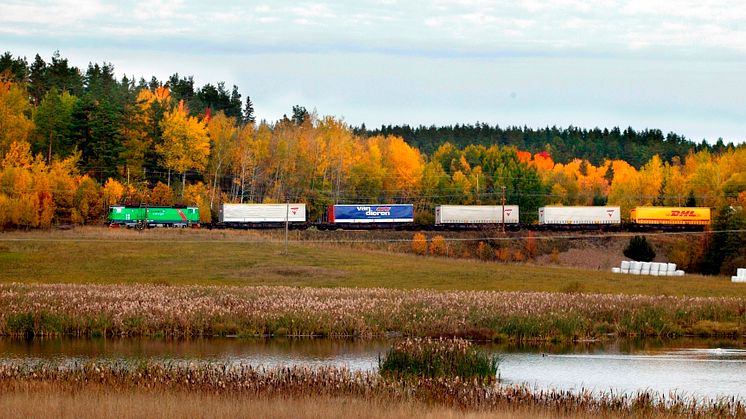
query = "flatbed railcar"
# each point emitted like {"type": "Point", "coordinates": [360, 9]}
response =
{"type": "Point", "coordinates": [153, 216]}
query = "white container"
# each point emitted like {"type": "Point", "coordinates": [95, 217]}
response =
{"type": "Point", "coordinates": [671, 267]}
{"type": "Point", "coordinates": [636, 266]}
{"type": "Point", "coordinates": [579, 215]}
{"type": "Point", "coordinates": [476, 214]}
{"type": "Point", "coordinates": [740, 272]}
{"type": "Point", "coordinates": [262, 213]}
{"type": "Point", "coordinates": [655, 267]}
{"type": "Point", "coordinates": [645, 270]}
{"type": "Point", "coordinates": [616, 270]}
{"type": "Point", "coordinates": [625, 264]}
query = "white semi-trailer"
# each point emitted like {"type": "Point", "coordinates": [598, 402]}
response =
{"type": "Point", "coordinates": [579, 215]}
{"type": "Point", "coordinates": [476, 214]}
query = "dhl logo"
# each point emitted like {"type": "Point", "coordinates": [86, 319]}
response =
{"type": "Point", "coordinates": [679, 213]}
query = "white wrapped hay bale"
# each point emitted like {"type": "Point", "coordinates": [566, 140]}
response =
{"type": "Point", "coordinates": [616, 270]}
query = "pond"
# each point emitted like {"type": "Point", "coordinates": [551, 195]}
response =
{"type": "Point", "coordinates": [689, 367]}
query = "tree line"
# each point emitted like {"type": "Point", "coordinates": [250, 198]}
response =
{"type": "Point", "coordinates": [563, 144]}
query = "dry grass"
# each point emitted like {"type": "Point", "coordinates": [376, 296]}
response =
{"type": "Point", "coordinates": [137, 310]}
{"type": "Point", "coordinates": [96, 401]}
{"type": "Point", "coordinates": [151, 389]}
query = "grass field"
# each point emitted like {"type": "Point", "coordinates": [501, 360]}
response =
{"type": "Point", "coordinates": [183, 257]}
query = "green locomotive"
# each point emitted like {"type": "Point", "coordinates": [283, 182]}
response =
{"type": "Point", "coordinates": [142, 216]}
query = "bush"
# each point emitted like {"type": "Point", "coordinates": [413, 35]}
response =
{"type": "Point", "coordinates": [419, 244]}
{"type": "Point", "coordinates": [639, 249]}
{"type": "Point", "coordinates": [438, 246]}
{"type": "Point", "coordinates": [431, 358]}
{"type": "Point", "coordinates": [484, 251]}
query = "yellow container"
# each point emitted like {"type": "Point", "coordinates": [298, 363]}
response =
{"type": "Point", "coordinates": [670, 215]}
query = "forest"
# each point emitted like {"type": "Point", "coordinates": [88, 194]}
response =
{"type": "Point", "coordinates": [73, 142]}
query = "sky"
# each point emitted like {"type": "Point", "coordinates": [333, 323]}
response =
{"type": "Point", "coordinates": [674, 65]}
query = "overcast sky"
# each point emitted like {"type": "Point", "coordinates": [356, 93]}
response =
{"type": "Point", "coordinates": [676, 65]}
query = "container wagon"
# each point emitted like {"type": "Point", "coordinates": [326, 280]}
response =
{"type": "Point", "coordinates": [262, 215]}
{"type": "Point", "coordinates": [580, 216]}
{"type": "Point", "coordinates": [371, 216]}
{"type": "Point", "coordinates": [464, 216]}
{"type": "Point", "coordinates": [670, 216]}
{"type": "Point", "coordinates": [141, 216]}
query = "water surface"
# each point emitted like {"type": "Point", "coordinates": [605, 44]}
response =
{"type": "Point", "coordinates": [694, 368]}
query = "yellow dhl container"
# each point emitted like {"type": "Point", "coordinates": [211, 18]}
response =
{"type": "Point", "coordinates": [670, 215]}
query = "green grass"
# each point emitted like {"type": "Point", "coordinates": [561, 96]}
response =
{"type": "Point", "coordinates": [103, 256]}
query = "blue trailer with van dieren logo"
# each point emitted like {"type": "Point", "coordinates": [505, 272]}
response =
{"type": "Point", "coordinates": [377, 213]}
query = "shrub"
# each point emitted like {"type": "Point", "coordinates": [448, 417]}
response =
{"type": "Point", "coordinates": [419, 244]}
{"type": "Point", "coordinates": [438, 246]}
{"type": "Point", "coordinates": [639, 249]}
{"type": "Point", "coordinates": [435, 358]}
{"type": "Point", "coordinates": [555, 256]}
{"type": "Point", "coordinates": [503, 254]}
{"type": "Point", "coordinates": [484, 251]}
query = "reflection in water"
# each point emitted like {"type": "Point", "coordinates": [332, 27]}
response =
{"type": "Point", "coordinates": [693, 367]}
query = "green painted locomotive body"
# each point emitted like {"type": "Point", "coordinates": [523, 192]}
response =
{"type": "Point", "coordinates": [153, 216]}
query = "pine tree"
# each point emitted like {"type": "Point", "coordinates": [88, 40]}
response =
{"type": "Point", "coordinates": [639, 249]}
{"type": "Point", "coordinates": [248, 111]}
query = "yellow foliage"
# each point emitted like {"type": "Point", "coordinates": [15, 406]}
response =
{"type": "Point", "coordinates": [438, 246]}
{"type": "Point", "coordinates": [112, 192]}
{"type": "Point", "coordinates": [186, 144]}
{"type": "Point", "coordinates": [419, 244]}
{"type": "Point", "coordinates": [18, 155]}
{"type": "Point", "coordinates": [161, 195]}
{"type": "Point", "coordinates": [197, 195]}
{"type": "Point", "coordinates": [15, 126]}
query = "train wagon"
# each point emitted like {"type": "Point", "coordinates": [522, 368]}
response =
{"type": "Point", "coordinates": [375, 214]}
{"type": "Point", "coordinates": [261, 215]}
{"type": "Point", "coordinates": [580, 216]}
{"type": "Point", "coordinates": [141, 216]}
{"type": "Point", "coordinates": [674, 216]}
{"type": "Point", "coordinates": [465, 215]}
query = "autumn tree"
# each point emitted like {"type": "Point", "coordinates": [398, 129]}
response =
{"type": "Point", "coordinates": [14, 122]}
{"type": "Point", "coordinates": [186, 145]}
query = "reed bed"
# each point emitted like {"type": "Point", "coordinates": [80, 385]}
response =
{"type": "Point", "coordinates": [188, 311]}
{"type": "Point", "coordinates": [433, 358]}
{"type": "Point", "coordinates": [303, 383]}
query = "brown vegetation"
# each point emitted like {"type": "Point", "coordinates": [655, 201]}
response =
{"type": "Point", "coordinates": [133, 310]}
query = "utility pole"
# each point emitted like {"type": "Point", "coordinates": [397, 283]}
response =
{"type": "Point", "coordinates": [503, 208]}
{"type": "Point", "coordinates": [287, 223]}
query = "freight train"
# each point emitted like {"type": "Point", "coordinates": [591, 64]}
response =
{"type": "Point", "coordinates": [401, 217]}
